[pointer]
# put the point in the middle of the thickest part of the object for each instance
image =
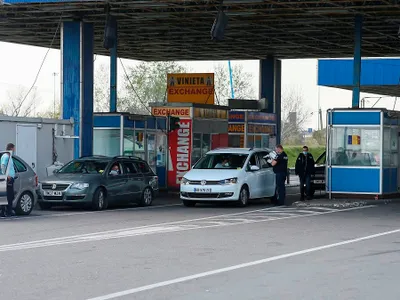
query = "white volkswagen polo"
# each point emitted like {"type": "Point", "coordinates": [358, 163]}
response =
{"type": "Point", "coordinates": [229, 174]}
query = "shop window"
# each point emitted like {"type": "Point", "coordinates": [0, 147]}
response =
{"type": "Point", "coordinates": [196, 153]}
{"type": "Point", "coordinates": [161, 149]}
{"type": "Point", "coordinates": [235, 141]}
{"type": "Point", "coordinates": [106, 142]}
{"type": "Point", "coordinates": [355, 146]}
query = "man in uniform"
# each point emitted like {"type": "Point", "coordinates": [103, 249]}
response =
{"type": "Point", "coordinates": [280, 166]}
{"type": "Point", "coordinates": [304, 168]}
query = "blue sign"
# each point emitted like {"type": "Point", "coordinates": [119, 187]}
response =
{"type": "Point", "coordinates": [309, 130]}
{"type": "Point", "coordinates": [236, 117]}
{"type": "Point", "coordinates": [261, 117]}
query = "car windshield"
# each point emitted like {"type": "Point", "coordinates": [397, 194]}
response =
{"type": "Point", "coordinates": [321, 160]}
{"type": "Point", "coordinates": [84, 166]}
{"type": "Point", "coordinates": [221, 161]}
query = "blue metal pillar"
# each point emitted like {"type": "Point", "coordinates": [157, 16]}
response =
{"type": "Point", "coordinates": [77, 42]}
{"type": "Point", "coordinates": [357, 61]}
{"type": "Point", "coordinates": [270, 89]}
{"type": "Point", "coordinates": [113, 73]}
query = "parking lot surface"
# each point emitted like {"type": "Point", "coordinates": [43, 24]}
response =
{"type": "Point", "coordinates": [169, 251]}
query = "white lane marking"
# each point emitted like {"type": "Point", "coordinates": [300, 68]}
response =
{"type": "Point", "coordinates": [240, 266]}
{"type": "Point", "coordinates": [146, 230]}
{"type": "Point", "coordinates": [97, 212]}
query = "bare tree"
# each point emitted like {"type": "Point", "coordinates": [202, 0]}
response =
{"type": "Point", "coordinates": [242, 86]}
{"type": "Point", "coordinates": [294, 116]}
{"type": "Point", "coordinates": [20, 103]}
{"type": "Point", "coordinates": [50, 112]}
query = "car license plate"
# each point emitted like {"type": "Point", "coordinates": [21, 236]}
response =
{"type": "Point", "coordinates": [319, 181]}
{"type": "Point", "coordinates": [202, 190]}
{"type": "Point", "coordinates": [52, 193]}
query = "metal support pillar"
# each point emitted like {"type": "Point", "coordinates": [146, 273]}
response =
{"type": "Point", "coordinates": [113, 73]}
{"type": "Point", "coordinates": [270, 89]}
{"type": "Point", "coordinates": [77, 44]}
{"type": "Point", "coordinates": [357, 61]}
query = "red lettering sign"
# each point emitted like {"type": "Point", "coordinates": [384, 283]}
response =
{"type": "Point", "coordinates": [180, 153]}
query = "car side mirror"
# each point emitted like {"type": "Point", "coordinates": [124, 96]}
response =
{"type": "Point", "coordinates": [254, 168]}
{"type": "Point", "coordinates": [55, 171]}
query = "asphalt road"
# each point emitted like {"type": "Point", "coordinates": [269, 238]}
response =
{"type": "Point", "coordinates": [172, 252]}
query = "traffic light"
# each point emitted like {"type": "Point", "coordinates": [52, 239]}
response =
{"type": "Point", "coordinates": [174, 123]}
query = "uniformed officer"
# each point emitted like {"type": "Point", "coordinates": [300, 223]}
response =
{"type": "Point", "coordinates": [304, 168]}
{"type": "Point", "coordinates": [280, 166]}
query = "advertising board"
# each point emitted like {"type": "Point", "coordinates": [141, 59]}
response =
{"type": "Point", "coordinates": [190, 88]}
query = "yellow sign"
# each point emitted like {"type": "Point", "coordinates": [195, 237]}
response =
{"type": "Point", "coordinates": [191, 88]}
{"type": "Point", "coordinates": [180, 112]}
{"type": "Point", "coordinates": [235, 128]}
{"type": "Point", "coordinates": [210, 113]}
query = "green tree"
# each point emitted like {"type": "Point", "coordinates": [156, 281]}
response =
{"type": "Point", "coordinates": [242, 86]}
{"type": "Point", "coordinates": [147, 83]}
{"type": "Point", "coordinates": [101, 88]}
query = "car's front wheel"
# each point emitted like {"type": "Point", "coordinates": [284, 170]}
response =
{"type": "Point", "coordinates": [243, 197]}
{"type": "Point", "coordinates": [99, 201]}
{"type": "Point", "coordinates": [25, 204]}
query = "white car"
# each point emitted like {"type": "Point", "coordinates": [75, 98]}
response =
{"type": "Point", "coordinates": [229, 174]}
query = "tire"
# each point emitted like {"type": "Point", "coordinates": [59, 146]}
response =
{"type": "Point", "coordinates": [243, 197]}
{"type": "Point", "coordinates": [99, 201]}
{"type": "Point", "coordinates": [25, 204]}
{"type": "Point", "coordinates": [44, 205]}
{"type": "Point", "coordinates": [147, 197]}
{"type": "Point", "coordinates": [189, 203]}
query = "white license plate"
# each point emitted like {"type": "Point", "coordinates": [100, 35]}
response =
{"type": "Point", "coordinates": [52, 193]}
{"type": "Point", "coordinates": [202, 190]}
{"type": "Point", "coordinates": [319, 181]}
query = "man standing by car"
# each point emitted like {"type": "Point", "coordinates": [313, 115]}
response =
{"type": "Point", "coordinates": [11, 175]}
{"type": "Point", "coordinates": [304, 168]}
{"type": "Point", "coordinates": [280, 165]}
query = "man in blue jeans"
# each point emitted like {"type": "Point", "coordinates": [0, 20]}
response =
{"type": "Point", "coordinates": [10, 179]}
{"type": "Point", "coordinates": [280, 166]}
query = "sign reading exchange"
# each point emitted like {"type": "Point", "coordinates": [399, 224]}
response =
{"type": "Point", "coordinates": [191, 88]}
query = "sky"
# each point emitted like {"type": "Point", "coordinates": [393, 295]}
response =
{"type": "Point", "coordinates": [20, 64]}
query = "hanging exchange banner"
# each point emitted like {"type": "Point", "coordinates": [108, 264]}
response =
{"type": "Point", "coordinates": [190, 88]}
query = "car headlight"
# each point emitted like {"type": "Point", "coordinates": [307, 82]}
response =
{"type": "Point", "coordinates": [79, 186]}
{"type": "Point", "coordinates": [184, 181]}
{"type": "Point", "coordinates": [229, 181]}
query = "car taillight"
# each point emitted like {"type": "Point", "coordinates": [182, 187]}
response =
{"type": "Point", "coordinates": [36, 180]}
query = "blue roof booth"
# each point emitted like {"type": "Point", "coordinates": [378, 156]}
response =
{"type": "Point", "coordinates": [362, 152]}
{"type": "Point", "coordinates": [135, 135]}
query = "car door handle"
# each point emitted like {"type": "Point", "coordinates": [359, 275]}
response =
{"type": "Point", "coordinates": [2, 179]}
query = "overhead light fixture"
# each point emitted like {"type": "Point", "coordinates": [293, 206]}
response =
{"type": "Point", "coordinates": [219, 25]}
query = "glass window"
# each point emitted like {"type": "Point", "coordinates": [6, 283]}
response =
{"type": "Point", "coordinates": [206, 143]}
{"type": "Point", "coordinates": [161, 149]}
{"type": "Point", "coordinates": [196, 153]}
{"type": "Point", "coordinates": [129, 168]}
{"type": "Point", "coordinates": [262, 160]}
{"type": "Point", "coordinates": [151, 151]}
{"type": "Point", "coordinates": [116, 169]}
{"type": "Point", "coordinates": [221, 161]}
{"type": "Point", "coordinates": [19, 166]}
{"type": "Point", "coordinates": [355, 146]}
{"type": "Point", "coordinates": [142, 167]}
{"type": "Point", "coordinates": [106, 142]}
{"type": "Point", "coordinates": [84, 166]}
{"type": "Point", "coordinates": [235, 141]}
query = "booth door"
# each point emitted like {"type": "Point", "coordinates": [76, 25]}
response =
{"type": "Point", "coordinates": [219, 140]}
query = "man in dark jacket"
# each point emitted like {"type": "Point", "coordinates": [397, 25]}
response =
{"type": "Point", "coordinates": [304, 169]}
